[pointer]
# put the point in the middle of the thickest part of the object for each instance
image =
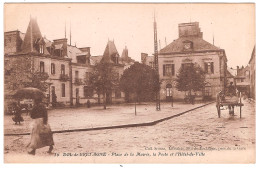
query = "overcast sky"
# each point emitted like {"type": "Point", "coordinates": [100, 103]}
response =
{"type": "Point", "coordinates": [131, 25]}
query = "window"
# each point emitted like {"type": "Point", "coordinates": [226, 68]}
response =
{"type": "Point", "coordinates": [76, 74]}
{"type": "Point", "coordinates": [52, 68]}
{"type": "Point", "coordinates": [42, 67]}
{"type": "Point", "coordinates": [168, 90]}
{"type": "Point", "coordinates": [88, 91]}
{"type": "Point", "coordinates": [61, 52]}
{"type": "Point", "coordinates": [62, 69]}
{"type": "Point", "coordinates": [41, 49]}
{"type": "Point", "coordinates": [209, 67]}
{"type": "Point", "coordinates": [151, 64]}
{"type": "Point", "coordinates": [207, 91]}
{"type": "Point", "coordinates": [87, 76]}
{"type": "Point", "coordinates": [62, 90]}
{"type": "Point", "coordinates": [117, 93]}
{"type": "Point", "coordinates": [168, 70]}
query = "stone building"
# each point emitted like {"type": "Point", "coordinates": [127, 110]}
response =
{"type": "Point", "coordinates": [252, 75]}
{"type": "Point", "coordinates": [245, 78]}
{"type": "Point", "coordinates": [190, 48]}
{"type": "Point", "coordinates": [67, 66]}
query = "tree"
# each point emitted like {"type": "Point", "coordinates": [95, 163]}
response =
{"type": "Point", "coordinates": [38, 80]}
{"type": "Point", "coordinates": [190, 78]}
{"type": "Point", "coordinates": [141, 80]}
{"type": "Point", "coordinates": [18, 74]}
{"type": "Point", "coordinates": [104, 78]}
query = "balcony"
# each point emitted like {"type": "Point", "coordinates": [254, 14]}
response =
{"type": "Point", "coordinates": [78, 82]}
{"type": "Point", "coordinates": [64, 77]}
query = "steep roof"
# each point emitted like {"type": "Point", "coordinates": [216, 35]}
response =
{"type": "Point", "coordinates": [252, 55]}
{"type": "Point", "coordinates": [32, 36]}
{"type": "Point", "coordinates": [231, 72]}
{"type": "Point", "coordinates": [95, 59]}
{"type": "Point", "coordinates": [110, 51]}
{"type": "Point", "coordinates": [73, 52]}
{"type": "Point", "coordinates": [125, 58]}
{"type": "Point", "coordinates": [177, 46]}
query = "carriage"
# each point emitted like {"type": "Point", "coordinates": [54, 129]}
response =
{"type": "Point", "coordinates": [229, 101]}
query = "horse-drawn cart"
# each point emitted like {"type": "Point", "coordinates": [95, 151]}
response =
{"type": "Point", "coordinates": [228, 101]}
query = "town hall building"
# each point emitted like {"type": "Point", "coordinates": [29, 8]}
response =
{"type": "Point", "coordinates": [190, 48]}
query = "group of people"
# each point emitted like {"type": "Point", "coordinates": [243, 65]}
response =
{"type": "Point", "coordinates": [41, 134]}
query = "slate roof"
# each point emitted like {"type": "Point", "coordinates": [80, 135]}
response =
{"type": "Point", "coordinates": [95, 59]}
{"type": "Point", "coordinates": [177, 46]}
{"type": "Point", "coordinates": [110, 51]}
{"type": "Point", "coordinates": [32, 35]}
{"type": "Point", "coordinates": [125, 58]}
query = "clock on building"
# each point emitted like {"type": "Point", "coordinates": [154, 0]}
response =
{"type": "Point", "coordinates": [187, 45]}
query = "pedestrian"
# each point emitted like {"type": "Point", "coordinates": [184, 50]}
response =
{"type": "Point", "coordinates": [41, 134]}
{"type": "Point", "coordinates": [17, 113]}
{"type": "Point", "coordinates": [88, 104]}
{"type": "Point", "coordinates": [231, 92]}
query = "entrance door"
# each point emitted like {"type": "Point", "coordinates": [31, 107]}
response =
{"type": "Point", "coordinates": [169, 92]}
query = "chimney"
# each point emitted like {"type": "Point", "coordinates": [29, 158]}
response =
{"type": "Point", "coordinates": [143, 57]}
{"type": "Point", "coordinates": [63, 41]}
{"type": "Point", "coordinates": [85, 49]}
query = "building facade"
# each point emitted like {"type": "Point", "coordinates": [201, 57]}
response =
{"type": "Point", "coordinates": [68, 67]}
{"type": "Point", "coordinates": [252, 75]}
{"type": "Point", "coordinates": [190, 48]}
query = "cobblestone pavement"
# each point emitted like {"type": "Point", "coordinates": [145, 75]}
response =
{"type": "Point", "coordinates": [197, 130]}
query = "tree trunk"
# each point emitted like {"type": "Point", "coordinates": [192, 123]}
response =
{"type": "Point", "coordinates": [105, 100]}
{"type": "Point", "coordinates": [190, 99]}
{"type": "Point", "coordinates": [98, 97]}
{"type": "Point", "coordinates": [135, 103]}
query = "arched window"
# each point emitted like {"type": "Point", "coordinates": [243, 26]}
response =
{"type": "Point", "coordinates": [168, 90]}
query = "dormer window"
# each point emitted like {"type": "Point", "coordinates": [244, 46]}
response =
{"type": "Point", "coordinates": [41, 49]}
{"type": "Point", "coordinates": [61, 52]}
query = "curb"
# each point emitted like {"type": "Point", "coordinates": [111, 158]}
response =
{"type": "Point", "coordinates": [119, 126]}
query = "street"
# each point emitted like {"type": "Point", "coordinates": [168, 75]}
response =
{"type": "Point", "coordinates": [200, 129]}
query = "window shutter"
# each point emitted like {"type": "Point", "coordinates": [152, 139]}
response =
{"type": "Point", "coordinates": [173, 71]}
{"type": "Point", "coordinates": [163, 70]}
{"type": "Point", "coordinates": [206, 67]}
{"type": "Point", "coordinates": [212, 67]}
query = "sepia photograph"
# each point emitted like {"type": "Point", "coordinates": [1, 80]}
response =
{"type": "Point", "coordinates": [129, 83]}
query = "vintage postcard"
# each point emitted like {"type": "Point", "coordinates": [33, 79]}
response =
{"type": "Point", "coordinates": [129, 83]}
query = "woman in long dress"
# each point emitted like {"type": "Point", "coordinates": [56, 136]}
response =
{"type": "Point", "coordinates": [41, 134]}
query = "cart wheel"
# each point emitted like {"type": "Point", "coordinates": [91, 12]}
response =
{"type": "Point", "coordinates": [218, 108]}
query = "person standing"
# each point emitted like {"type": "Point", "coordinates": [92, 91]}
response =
{"type": "Point", "coordinates": [17, 114]}
{"type": "Point", "coordinates": [41, 134]}
{"type": "Point", "coordinates": [231, 92]}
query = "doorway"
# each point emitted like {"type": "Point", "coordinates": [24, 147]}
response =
{"type": "Point", "coordinates": [169, 92]}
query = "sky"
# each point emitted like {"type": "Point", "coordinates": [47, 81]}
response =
{"type": "Point", "coordinates": [131, 25]}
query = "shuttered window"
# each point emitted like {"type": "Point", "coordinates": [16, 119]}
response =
{"type": "Point", "coordinates": [168, 70]}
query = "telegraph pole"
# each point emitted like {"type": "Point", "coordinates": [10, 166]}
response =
{"type": "Point", "coordinates": [158, 106]}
